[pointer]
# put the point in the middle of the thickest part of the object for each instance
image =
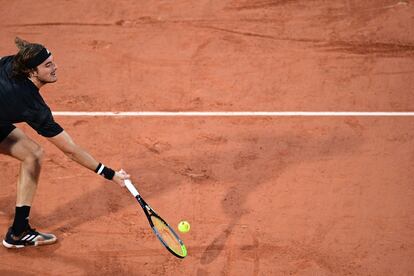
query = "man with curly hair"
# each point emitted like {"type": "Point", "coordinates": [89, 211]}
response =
{"type": "Point", "coordinates": [21, 77]}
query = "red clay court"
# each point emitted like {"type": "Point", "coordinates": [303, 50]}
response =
{"type": "Point", "coordinates": [265, 195]}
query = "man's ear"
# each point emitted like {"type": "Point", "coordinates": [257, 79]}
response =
{"type": "Point", "coordinates": [33, 73]}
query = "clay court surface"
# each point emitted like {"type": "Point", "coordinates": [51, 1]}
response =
{"type": "Point", "coordinates": [264, 195]}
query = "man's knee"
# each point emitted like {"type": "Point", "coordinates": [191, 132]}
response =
{"type": "Point", "coordinates": [36, 154]}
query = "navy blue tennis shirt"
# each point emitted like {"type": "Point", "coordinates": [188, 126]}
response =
{"type": "Point", "coordinates": [20, 101]}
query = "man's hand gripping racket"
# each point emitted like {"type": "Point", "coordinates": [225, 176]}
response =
{"type": "Point", "coordinates": [162, 230]}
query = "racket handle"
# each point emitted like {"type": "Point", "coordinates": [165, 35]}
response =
{"type": "Point", "coordinates": [131, 187]}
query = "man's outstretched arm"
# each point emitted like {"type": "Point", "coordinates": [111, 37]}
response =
{"type": "Point", "coordinates": [64, 142]}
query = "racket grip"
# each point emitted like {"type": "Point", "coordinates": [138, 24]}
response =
{"type": "Point", "coordinates": [131, 187]}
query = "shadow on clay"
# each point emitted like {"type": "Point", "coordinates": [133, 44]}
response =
{"type": "Point", "coordinates": [278, 153]}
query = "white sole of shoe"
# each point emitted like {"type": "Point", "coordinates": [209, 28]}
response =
{"type": "Point", "coordinates": [37, 243]}
{"type": "Point", "coordinates": [8, 245]}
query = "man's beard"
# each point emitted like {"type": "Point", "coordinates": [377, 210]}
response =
{"type": "Point", "coordinates": [48, 80]}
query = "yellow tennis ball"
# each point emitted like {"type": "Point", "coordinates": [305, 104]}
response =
{"type": "Point", "coordinates": [183, 226]}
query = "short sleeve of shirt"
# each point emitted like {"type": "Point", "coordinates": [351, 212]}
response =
{"type": "Point", "coordinates": [20, 101]}
{"type": "Point", "coordinates": [42, 121]}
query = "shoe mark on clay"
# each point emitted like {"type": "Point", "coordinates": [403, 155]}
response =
{"type": "Point", "coordinates": [244, 159]}
{"type": "Point", "coordinates": [366, 48]}
{"type": "Point", "coordinates": [194, 174]}
{"type": "Point", "coordinates": [80, 101]}
{"type": "Point", "coordinates": [213, 139]}
{"type": "Point", "coordinates": [355, 125]}
{"type": "Point", "coordinates": [99, 44]}
{"type": "Point", "coordinates": [155, 146]}
{"type": "Point", "coordinates": [80, 122]}
{"type": "Point", "coordinates": [141, 20]}
{"type": "Point", "coordinates": [252, 5]}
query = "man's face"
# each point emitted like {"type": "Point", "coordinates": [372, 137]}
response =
{"type": "Point", "coordinates": [46, 71]}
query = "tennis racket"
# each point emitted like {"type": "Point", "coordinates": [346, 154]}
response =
{"type": "Point", "coordinates": [162, 230]}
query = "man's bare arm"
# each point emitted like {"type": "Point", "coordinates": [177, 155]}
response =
{"type": "Point", "coordinates": [64, 142]}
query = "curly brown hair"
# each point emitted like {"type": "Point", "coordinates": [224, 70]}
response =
{"type": "Point", "coordinates": [27, 51]}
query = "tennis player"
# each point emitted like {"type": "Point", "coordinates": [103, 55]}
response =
{"type": "Point", "coordinates": [21, 77]}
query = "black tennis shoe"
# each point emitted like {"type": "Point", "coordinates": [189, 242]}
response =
{"type": "Point", "coordinates": [30, 237]}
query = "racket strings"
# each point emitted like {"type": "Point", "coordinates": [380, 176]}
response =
{"type": "Point", "coordinates": [167, 236]}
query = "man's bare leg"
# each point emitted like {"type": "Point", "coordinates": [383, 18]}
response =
{"type": "Point", "coordinates": [19, 146]}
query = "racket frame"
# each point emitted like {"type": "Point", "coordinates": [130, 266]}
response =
{"type": "Point", "coordinates": [150, 212]}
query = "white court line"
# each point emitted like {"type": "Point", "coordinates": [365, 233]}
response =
{"type": "Point", "coordinates": [231, 114]}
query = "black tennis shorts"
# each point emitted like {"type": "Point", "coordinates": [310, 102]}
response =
{"type": "Point", "coordinates": [5, 131]}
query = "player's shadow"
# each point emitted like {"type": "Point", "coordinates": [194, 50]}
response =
{"type": "Point", "coordinates": [214, 249]}
{"type": "Point", "coordinates": [85, 208]}
{"type": "Point", "coordinates": [254, 167]}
